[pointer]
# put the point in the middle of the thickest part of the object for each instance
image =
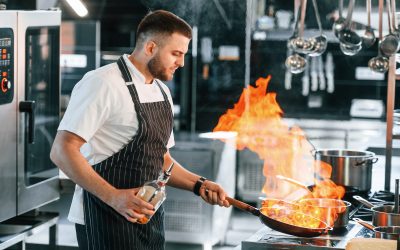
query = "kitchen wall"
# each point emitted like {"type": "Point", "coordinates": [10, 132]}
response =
{"type": "Point", "coordinates": [212, 81]}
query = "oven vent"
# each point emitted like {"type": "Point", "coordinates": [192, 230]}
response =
{"type": "Point", "coordinates": [184, 215]}
{"type": "Point", "coordinates": [183, 206]}
{"type": "Point", "coordinates": [250, 177]}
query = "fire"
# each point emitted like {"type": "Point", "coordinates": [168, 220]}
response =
{"type": "Point", "coordinates": [289, 213]}
{"type": "Point", "coordinates": [257, 120]}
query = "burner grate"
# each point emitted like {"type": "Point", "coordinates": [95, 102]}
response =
{"type": "Point", "coordinates": [267, 238]}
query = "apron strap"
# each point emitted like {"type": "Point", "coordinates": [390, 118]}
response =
{"type": "Point", "coordinates": [124, 70]}
{"type": "Point", "coordinates": [162, 91]}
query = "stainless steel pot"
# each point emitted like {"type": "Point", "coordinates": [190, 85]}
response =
{"type": "Point", "coordinates": [349, 167]}
{"type": "Point", "coordinates": [327, 208]}
{"type": "Point", "coordinates": [382, 215]}
{"type": "Point", "coordinates": [384, 232]}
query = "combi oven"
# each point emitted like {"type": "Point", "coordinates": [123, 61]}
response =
{"type": "Point", "coordinates": [29, 109]}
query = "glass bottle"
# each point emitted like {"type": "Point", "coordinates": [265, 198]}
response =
{"type": "Point", "coordinates": [154, 193]}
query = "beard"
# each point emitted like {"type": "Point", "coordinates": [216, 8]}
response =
{"type": "Point", "coordinates": [156, 68]}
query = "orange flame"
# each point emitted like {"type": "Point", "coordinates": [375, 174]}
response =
{"type": "Point", "coordinates": [257, 120]}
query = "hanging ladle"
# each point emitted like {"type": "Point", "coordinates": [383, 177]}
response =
{"type": "Point", "coordinates": [379, 64]}
{"type": "Point", "coordinates": [338, 25]}
{"type": "Point", "coordinates": [350, 42]}
{"type": "Point", "coordinates": [296, 42]}
{"type": "Point", "coordinates": [296, 63]}
{"type": "Point", "coordinates": [390, 43]}
{"type": "Point", "coordinates": [369, 35]}
{"type": "Point", "coordinates": [395, 30]}
{"type": "Point", "coordinates": [320, 42]}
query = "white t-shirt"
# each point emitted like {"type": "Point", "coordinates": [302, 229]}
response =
{"type": "Point", "coordinates": [102, 112]}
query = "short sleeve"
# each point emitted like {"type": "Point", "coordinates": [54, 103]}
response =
{"type": "Point", "coordinates": [88, 109]}
{"type": "Point", "coordinates": [171, 141]}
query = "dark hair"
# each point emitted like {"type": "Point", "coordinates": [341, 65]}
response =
{"type": "Point", "coordinates": [161, 22]}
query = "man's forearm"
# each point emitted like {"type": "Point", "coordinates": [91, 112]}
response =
{"type": "Point", "coordinates": [209, 191]}
{"type": "Point", "coordinates": [69, 159]}
{"type": "Point", "coordinates": [180, 177]}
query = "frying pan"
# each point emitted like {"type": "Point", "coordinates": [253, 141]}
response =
{"type": "Point", "coordinates": [281, 226]}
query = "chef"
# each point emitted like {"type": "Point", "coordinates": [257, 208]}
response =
{"type": "Point", "coordinates": [115, 136]}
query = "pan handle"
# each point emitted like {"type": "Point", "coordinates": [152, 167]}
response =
{"type": "Point", "coordinates": [363, 201]}
{"type": "Point", "coordinates": [243, 206]}
{"type": "Point", "coordinates": [364, 224]}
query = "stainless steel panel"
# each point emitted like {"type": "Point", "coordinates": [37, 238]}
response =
{"type": "Point", "coordinates": [250, 176]}
{"type": "Point", "coordinates": [8, 141]}
{"type": "Point", "coordinates": [187, 217]}
{"type": "Point", "coordinates": [36, 189]}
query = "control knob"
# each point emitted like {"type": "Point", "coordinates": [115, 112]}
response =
{"type": "Point", "coordinates": [5, 85]}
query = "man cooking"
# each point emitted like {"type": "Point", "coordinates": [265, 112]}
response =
{"type": "Point", "coordinates": [115, 136]}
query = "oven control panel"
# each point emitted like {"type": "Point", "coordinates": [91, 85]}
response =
{"type": "Point", "coordinates": [7, 84]}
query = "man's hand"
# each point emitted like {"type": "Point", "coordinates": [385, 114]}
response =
{"type": "Point", "coordinates": [126, 203]}
{"type": "Point", "coordinates": [213, 193]}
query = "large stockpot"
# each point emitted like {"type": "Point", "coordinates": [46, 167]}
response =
{"type": "Point", "coordinates": [349, 167]}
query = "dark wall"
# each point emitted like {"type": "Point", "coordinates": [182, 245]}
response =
{"type": "Point", "coordinates": [20, 4]}
{"type": "Point", "coordinates": [222, 88]}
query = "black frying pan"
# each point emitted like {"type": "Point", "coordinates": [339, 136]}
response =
{"type": "Point", "coordinates": [281, 226]}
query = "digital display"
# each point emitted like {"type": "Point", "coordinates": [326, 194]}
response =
{"type": "Point", "coordinates": [5, 42]}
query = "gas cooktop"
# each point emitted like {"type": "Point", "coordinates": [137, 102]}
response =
{"type": "Point", "coordinates": [267, 238]}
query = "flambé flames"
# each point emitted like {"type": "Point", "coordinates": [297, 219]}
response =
{"type": "Point", "coordinates": [257, 120]}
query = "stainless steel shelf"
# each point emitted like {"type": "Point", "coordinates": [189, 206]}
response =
{"type": "Point", "coordinates": [16, 230]}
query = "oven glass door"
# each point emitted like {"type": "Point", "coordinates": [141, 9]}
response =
{"type": "Point", "coordinates": [42, 87]}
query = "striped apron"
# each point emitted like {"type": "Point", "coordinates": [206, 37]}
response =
{"type": "Point", "coordinates": [139, 161]}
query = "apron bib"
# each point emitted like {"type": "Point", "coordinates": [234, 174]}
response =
{"type": "Point", "coordinates": [137, 162]}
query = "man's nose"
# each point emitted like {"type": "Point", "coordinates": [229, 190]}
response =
{"type": "Point", "coordinates": [181, 61]}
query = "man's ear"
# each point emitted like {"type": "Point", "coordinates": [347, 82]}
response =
{"type": "Point", "coordinates": [150, 48]}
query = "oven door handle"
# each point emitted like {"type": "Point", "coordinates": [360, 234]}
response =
{"type": "Point", "coordinates": [29, 107]}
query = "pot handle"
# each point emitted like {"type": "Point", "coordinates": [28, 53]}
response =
{"type": "Point", "coordinates": [364, 223]}
{"type": "Point", "coordinates": [373, 159]}
{"type": "Point", "coordinates": [313, 152]}
{"type": "Point", "coordinates": [243, 206]}
{"type": "Point", "coordinates": [363, 201]}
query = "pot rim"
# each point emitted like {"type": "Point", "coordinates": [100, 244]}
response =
{"type": "Point", "coordinates": [346, 203]}
{"type": "Point", "coordinates": [326, 152]}
{"type": "Point", "coordinates": [382, 229]}
{"type": "Point", "coordinates": [374, 209]}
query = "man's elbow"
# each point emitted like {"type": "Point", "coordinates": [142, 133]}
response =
{"type": "Point", "coordinates": [55, 154]}
{"type": "Point", "coordinates": [65, 145]}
